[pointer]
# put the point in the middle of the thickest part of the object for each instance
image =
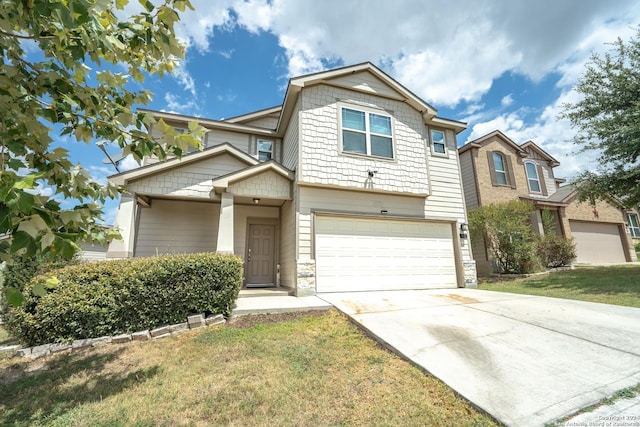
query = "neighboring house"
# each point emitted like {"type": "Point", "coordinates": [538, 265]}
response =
{"type": "Point", "coordinates": [353, 183]}
{"type": "Point", "coordinates": [495, 169]}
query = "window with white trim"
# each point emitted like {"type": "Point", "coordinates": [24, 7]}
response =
{"type": "Point", "coordinates": [634, 225]}
{"type": "Point", "coordinates": [500, 168]}
{"type": "Point", "coordinates": [438, 143]}
{"type": "Point", "coordinates": [265, 150]}
{"type": "Point", "coordinates": [532, 177]}
{"type": "Point", "coordinates": [365, 132]}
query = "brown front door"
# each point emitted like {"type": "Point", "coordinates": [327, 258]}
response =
{"type": "Point", "coordinates": [260, 252]}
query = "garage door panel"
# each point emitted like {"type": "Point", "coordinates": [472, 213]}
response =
{"type": "Point", "coordinates": [365, 254]}
{"type": "Point", "coordinates": [597, 242]}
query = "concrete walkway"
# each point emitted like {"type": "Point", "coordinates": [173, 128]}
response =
{"type": "Point", "coordinates": [266, 301]}
{"type": "Point", "coordinates": [526, 360]}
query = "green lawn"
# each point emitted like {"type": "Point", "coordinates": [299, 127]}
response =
{"type": "Point", "coordinates": [618, 285]}
{"type": "Point", "coordinates": [317, 370]}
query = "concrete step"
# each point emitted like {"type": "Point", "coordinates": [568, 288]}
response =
{"type": "Point", "coordinates": [263, 292]}
{"type": "Point", "coordinates": [278, 304]}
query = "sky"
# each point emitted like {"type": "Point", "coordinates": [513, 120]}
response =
{"type": "Point", "coordinates": [505, 65]}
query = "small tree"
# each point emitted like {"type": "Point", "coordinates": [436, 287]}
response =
{"type": "Point", "coordinates": [506, 229]}
{"type": "Point", "coordinates": [607, 121]}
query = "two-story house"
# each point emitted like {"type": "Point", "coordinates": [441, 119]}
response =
{"type": "Point", "coordinates": [495, 169]}
{"type": "Point", "coordinates": [353, 183]}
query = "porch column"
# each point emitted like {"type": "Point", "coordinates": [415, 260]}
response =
{"type": "Point", "coordinates": [126, 225]}
{"type": "Point", "coordinates": [225, 226]}
{"type": "Point", "coordinates": [537, 222]}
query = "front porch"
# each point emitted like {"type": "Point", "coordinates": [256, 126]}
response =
{"type": "Point", "coordinates": [190, 208]}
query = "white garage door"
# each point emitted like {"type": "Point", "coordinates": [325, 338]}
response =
{"type": "Point", "coordinates": [358, 254]}
{"type": "Point", "coordinates": [597, 242]}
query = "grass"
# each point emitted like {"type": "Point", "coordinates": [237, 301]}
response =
{"type": "Point", "coordinates": [619, 285]}
{"type": "Point", "coordinates": [312, 370]}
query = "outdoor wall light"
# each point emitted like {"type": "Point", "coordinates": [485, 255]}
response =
{"type": "Point", "coordinates": [256, 200]}
{"type": "Point", "coordinates": [464, 228]}
{"type": "Point", "coordinates": [371, 173]}
{"type": "Point", "coordinates": [384, 211]}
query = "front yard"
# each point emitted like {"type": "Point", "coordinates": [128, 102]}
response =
{"type": "Point", "coordinates": [301, 370]}
{"type": "Point", "coordinates": [619, 285]}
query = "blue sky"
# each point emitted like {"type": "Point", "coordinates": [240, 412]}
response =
{"type": "Point", "coordinates": [506, 65]}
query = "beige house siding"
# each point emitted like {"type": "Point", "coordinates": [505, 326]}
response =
{"type": "Point", "coordinates": [266, 184]}
{"type": "Point", "coordinates": [192, 180]}
{"type": "Point", "coordinates": [291, 139]}
{"type": "Point", "coordinates": [288, 253]}
{"type": "Point", "coordinates": [322, 162]}
{"type": "Point", "coordinates": [365, 81]}
{"type": "Point", "coordinates": [239, 140]}
{"type": "Point", "coordinates": [468, 180]}
{"type": "Point", "coordinates": [264, 122]}
{"type": "Point", "coordinates": [172, 226]}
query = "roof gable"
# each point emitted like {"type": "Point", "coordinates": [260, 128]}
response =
{"type": "Point", "coordinates": [495, 135]}
{"type": "Point", "coordinates": [221, 183]}
{"type": "Point", "coordinates": [530, 145]}
{"type": "Point", "coordinates": [125, 177]}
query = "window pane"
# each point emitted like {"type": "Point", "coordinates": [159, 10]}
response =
{"type": "Point", "coordinates": [354, 142]}
{"type": "Point", "coordinates": [501, 177]}
{"type": "Point", "coordinates": [264, 145]}
{"type": "Point", "coordinates": [534, 186]}
{"type": "Point", "coordinates": [532, 172]}
{"type": "Point", "coordinates": [380, 124]}
{"type": "Point", "coordinates": [633, 220]}
{"type": "Point", "coordinates": [437, 137]}
{"type": "Point", "coordinates": [498, 162]}
{"type": "Point", "coordinates": [438, 147]}
{"type": "Point", "coordinates": [381, 146]}
{"type": "Point", "coordinates": [263, 156]}
{"type": "Point", "coordinates": [353, 119]}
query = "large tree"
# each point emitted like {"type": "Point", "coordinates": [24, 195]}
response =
{"type": "Point", "coordinates": [607, 120]}
{"type": "Point", "coordinates": [62, 64]}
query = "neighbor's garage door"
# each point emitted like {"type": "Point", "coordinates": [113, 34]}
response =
{"type": "Point", "coordinates": [360, 254]}
{"type": "Point", "coordinates": [597, 242]}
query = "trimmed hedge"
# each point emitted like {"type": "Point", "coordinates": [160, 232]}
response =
{"type": "Point", "coordinates": [113, 297]}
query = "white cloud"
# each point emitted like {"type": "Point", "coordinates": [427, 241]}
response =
{"type": "Point", "coordinates": [445, 52]}
{"type": "Point", "coordinates": [506, 100]}
{"type": "Point", "coordinates": [185, 80]}
{"type": "Point", "coordinates": [176, 104]}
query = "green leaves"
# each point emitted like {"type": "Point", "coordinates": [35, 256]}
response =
{"type": "Point", "coordinates": [73, 90]}
{"type": "Point", "coordinates": [607, 120]}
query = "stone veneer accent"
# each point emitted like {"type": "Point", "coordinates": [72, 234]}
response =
{"type": "Point", "coordinates": [470, 276]}
{"type": "Point", "coordinates": [306, 278]}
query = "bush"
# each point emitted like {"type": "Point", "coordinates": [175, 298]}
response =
{"type": "Point", "coordinates": [20, 272]}
{"type": "Point", "coordinates": [506, 229]}
{"type": "Point", "coordinates": [112, 297]}
{"type": "Point", "coordinates": [555, 251]}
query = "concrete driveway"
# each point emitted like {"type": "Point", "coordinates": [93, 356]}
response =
{"type": "Point", "coordinates": [526, 360]}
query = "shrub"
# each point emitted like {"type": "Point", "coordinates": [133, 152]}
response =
{"type": "Point", "coordinates": [506, 229]}
{"type": "Point", "coordinates": [555, 251]}
{"type": "Point", "coordinates": [20, 272]}
{"type": "Point", "coordinates": [112, 297]}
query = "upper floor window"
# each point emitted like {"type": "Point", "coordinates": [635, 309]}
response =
{"type": "Point", "coordinates": [532, 177]}
{"type": "Point", "coordinates": [500, 168]}
{"type": "Point", "coordinates": [438, 143]}
{"type": "Point", "coordinates": [265, 150]}
{"type": "Point", "coordinates": [634, 225]}
{"type": "Point", "coordinates": [368, 133]}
